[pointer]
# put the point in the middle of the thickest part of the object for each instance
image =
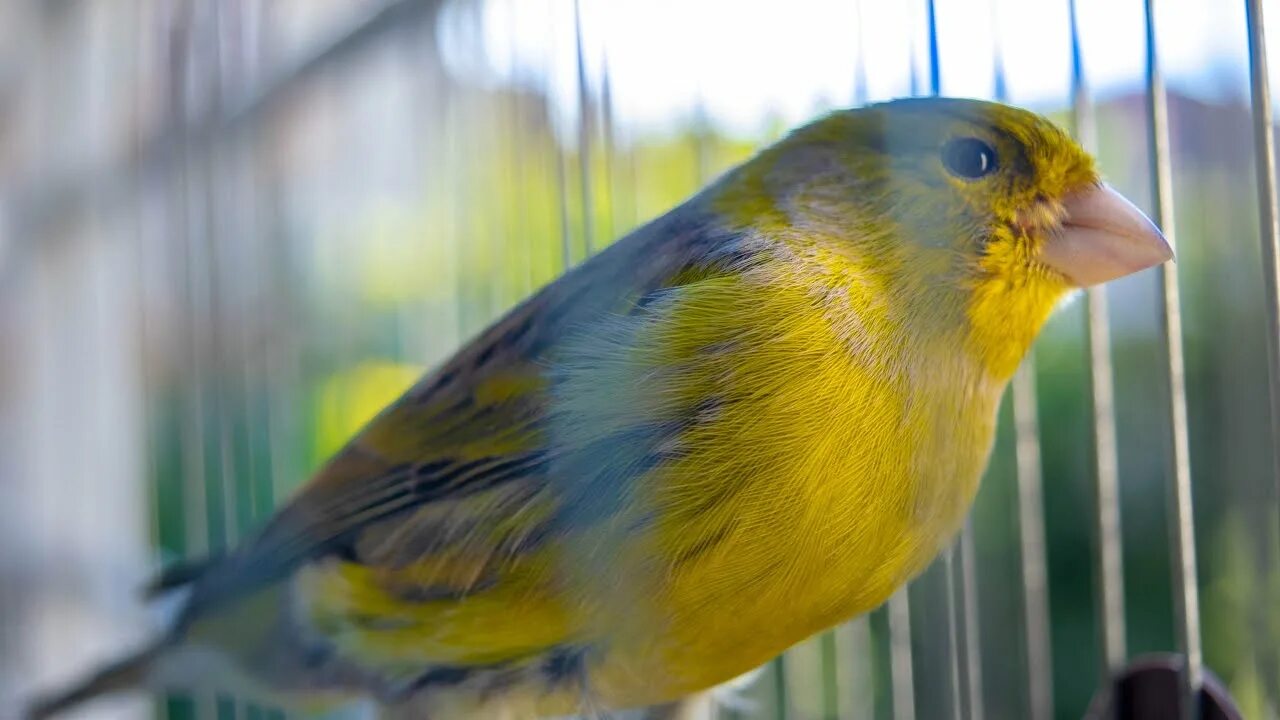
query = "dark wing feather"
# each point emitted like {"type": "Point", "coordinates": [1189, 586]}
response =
{"type": "Point", "coordinates": [472, 425]}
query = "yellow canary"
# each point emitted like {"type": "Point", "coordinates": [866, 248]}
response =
{"type": "Point", "coordinates": [751, 419]}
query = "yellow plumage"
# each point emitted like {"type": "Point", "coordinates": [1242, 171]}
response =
{"type": "Point", "coordinates": [751, 419]}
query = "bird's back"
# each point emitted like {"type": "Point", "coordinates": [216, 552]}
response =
{"type": "Point", "coordinates": [630, 488]}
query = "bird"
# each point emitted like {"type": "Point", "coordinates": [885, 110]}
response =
{"type": "Point", "coordinates": [750, 419]}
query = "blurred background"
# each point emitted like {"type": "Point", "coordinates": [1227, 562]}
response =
{"type": "Point", "coordinates": [230, 231]}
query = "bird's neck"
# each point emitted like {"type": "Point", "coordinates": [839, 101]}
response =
{"type": "Point", "coordinates": [1002, 320]}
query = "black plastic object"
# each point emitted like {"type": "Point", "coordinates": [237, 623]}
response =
{"type": "Point", "coordinates": [1148, 690]}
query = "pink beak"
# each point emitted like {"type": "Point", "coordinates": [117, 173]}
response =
{"type": "Point", "coordinates": [1103, 237]}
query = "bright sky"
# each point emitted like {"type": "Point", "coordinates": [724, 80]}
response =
{"type": "Point", "coordinates": [747, 61]}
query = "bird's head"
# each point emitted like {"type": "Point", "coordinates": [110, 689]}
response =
{"type": "Point", "coordinates": [969, 220]}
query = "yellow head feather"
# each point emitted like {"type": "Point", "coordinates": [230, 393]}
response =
{"type": "Point", "coordinates": [869, 193]}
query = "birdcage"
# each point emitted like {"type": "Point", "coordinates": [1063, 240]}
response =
{"type": "Point", "coordinates": [233, 231]}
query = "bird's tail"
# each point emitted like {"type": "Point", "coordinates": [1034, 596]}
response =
{"type": "Point", "coordinates": [128, 673]}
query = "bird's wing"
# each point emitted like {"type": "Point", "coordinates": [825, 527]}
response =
{"type": "Point", "coordinates": [468, 427]}
{"type": "Point", "coordinates": [460, 463]}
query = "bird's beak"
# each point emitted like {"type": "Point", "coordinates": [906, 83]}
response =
{"type": "Point", "coordinates": [1103, 237]}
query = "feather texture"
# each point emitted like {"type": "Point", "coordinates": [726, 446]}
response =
{"type": "Point", "coordinates": [751, 419]}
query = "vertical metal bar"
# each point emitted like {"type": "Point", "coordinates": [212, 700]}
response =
{"type": "Point", "coordinates": [1108, 549]}
{"type": "Point", "coordinates": [953, 633]}
{"type": "Point", "coordinates": [207, 516]}
{"type": "Point", "coordinates": [701, 141]}
{"type": "Point", "coordinates": [485, 138]}
{"type": "Point", "coordinates": [805, 672]}
{"type": "Point", "coordinates": [959, 674]}
{"type": "Point", "coordinates": [935, 67]}
{"type": "Point", "coordinates": [562, 191]}
{"type": "Point", "coordinates": [1035, 582]}
{"type": "Point", "coordinates": [458, 132]}
{"type": "Point", "coordinates": [1269, 229]}
{"type": "Point", "coordinates": [1031, 541]}
{"type": "Point", "coordinates": [913, 87]}
{"type": "Point", "coordinates": [608, 155]}
{"type": "Point", "coordinates": [972, 644]}
{"type": "Point", "coordinates": [830, 675]}
{"type": "Point", "coordinates": [584, 133]}
{"type": "Point", "coordinates": [904, 699]}
{"type": "Point", "coordinates": [519, 228]}
{"type": "Point", "coordinates": [934, 79]}
{"type": "Point", "coordinates": [900, 604]}
{"type": "Point", "coordinates": [1000, 87]}
{"type": "Point", "coordinates": [855, 693]}
{"type": "Point", "coordinates": [956, 610]}
{"type": "Point", "coordinates": [867, 706]}
{"type": "Point", "coordinates": [562, 196]}
{"type": "Point", "coordinates": [902, 672]}
{"type": "Point", "coordinates": [1186, 593]}
{"type": "Point", "coordinates": [780, 703]}
{"type": "Point", "coordinates": [860, 59]}
{"type": "Point", "coordinates": [1031, 534]}
{"type": "Point", "coordinates": [620, 164]}
{"type": "Point", "coordinates": [1268, 213]}
{"type": "Point", "coordinates": [178, 212]}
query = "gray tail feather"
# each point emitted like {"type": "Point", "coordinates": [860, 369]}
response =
{"type": "Point", "coordinates": [128, 673]}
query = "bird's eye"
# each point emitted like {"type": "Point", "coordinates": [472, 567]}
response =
{"type": "Point", "coordinates": [968, 158]}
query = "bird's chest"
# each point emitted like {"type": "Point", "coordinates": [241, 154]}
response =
{"type": "Point", "coordinates": [814, 463]}
{"type": "Point", "coordinates": [805, 519]}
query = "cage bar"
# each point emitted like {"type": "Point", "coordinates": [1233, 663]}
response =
{"type": "Point", "coordinates": [1186, 592]}
{"type": "Point", "coordinates": [1268, 209]}
{"type": "Point", "coordinates": [901, 661]}
{"type": "Point", "coordinates": [901, 674]}
{"type": "Point", "coordinates": [1031, 537]}
{"type": "Point", "coordinates": [960, 596]}
{"type": "Point", "coordinates": [51, 199]}
{"type": "Point", "coordinates": [954, 614]}
{"type": "Point", "coordinates": [860, 59]}
{"type": "Point", "coordinates": [1108, 557]}
{"type": "Point", "coordinates": [935, 64]}
{"type": "Point", "coordinates": [585, 125]}
{"type": "Point", "coordinates": [1035, 579]}
{"type": "Point", "coordinates": [1268, 213]}
{"type": "Point", "coordinates": [972, 644]}
{"type": "Point", "coordinates": [1269, 235]}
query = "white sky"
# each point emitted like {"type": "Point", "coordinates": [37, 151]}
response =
{"type": "Point", "coordinates": [747, 61]}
